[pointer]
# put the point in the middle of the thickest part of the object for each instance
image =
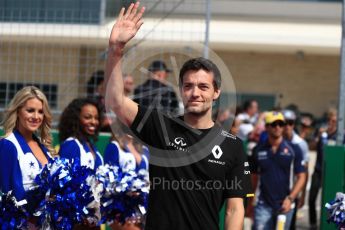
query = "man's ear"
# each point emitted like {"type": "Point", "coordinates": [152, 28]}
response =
{"type": "Point", "coordinates": [216, 94]}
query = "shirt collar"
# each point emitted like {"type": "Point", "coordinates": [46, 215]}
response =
{"type": "Point", "coordinates": [25, 147]}
{"type": "Point", "coordinates": [282, 145]}
{"type": "Point", "coordinates": [87, 148]}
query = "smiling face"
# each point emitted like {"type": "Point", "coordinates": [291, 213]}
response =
{"type": "Point", "coordinates": [30, 116]}
{"type": "Point", "coordinates": [89, 119]}
{"type": "Point", "coordinates": [198, 91]}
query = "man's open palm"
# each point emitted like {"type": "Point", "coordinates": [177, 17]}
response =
{"type": "Point", "coordinates": [127, 24]}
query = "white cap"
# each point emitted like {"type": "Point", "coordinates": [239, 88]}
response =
{"type": "Point", "coordinates": [243, 130]}
{"type": "Point", "coordinates": [289, 115]}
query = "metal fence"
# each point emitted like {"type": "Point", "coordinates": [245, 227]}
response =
{"type": "Point", "coordinates": [58, 44]}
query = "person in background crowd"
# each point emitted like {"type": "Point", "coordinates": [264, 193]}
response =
{"type": "Point", "coordinates": [306, 128]}
{"type": "Point", "coordinates": [125, 152]}
{"type": "Point", "coordinates": [259, 127]}
{"type": "Point", "coordinates": [156, 88]}
{"type": "Point", "coordinates": [128, 84]}
{"type": "Point", "coordinates": [250, 111]}
{"type": "Point", "coordinates": [290, 135]}
{"type": "Point", "coordinates": [272, 161]}
{"type": "Point", "coordinates": [235, 126]}
{"type": "Point", "coordinates": [95, 89]}
{"type": "Point", "coordinates": [224, 118]}
{"type": "Point", "coordinates": [327, 136]}
{"type": "Point", "coordinates": [26, 146]}
{"type": "Point", "coordinates": [78, 131]}
{"type": "Point", "coordinates": [248, 118]}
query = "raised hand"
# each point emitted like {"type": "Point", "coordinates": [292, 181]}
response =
{"type": "Point", "coordinates": [127, 25]}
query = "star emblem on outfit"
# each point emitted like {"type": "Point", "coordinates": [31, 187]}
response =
{"type": "Point", "coordinates": [90, 162]}
{"type": "Point", "coordinates": [32, 164]}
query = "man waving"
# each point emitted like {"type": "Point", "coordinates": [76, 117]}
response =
{"type": "Point", "coordinates": [195, 166]}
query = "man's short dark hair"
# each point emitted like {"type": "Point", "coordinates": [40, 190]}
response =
{"type": "Point", "coordinates": [204, 64]}
{"type": "Point", "coordinates": [247, 104]}
{"type": "Point", "coordinates": [95, 80]}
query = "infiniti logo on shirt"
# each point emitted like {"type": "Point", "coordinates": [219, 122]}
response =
{"type": "Point", "coordinates": [180, 141]}
{"type": "Point", "coordinates": [179, 144]}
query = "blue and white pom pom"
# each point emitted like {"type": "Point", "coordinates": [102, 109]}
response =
{"type": "Point", "coordinates": [68, 195]}
{"type": "Point", "coordinates": [122, 193]}
{"type": "Point", "coordinates": [336, 210]}
{"type": "Point", "coordinates": [13, 214]}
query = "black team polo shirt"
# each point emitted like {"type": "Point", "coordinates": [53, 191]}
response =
{"type": "Point", "coordinates": [192, 172]}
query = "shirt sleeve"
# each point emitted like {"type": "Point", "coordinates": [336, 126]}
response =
{"type": "Point", "coordinates": [70, 150]}
{"type": "Point", "coordinates": [298, 160]}
{"type": "Point", "coordinates": [253, 161]}
{"type": "Point", "coordinates": [136, 92]}
{"type": "Point", "coordinates": [146, 125]}
{"type": "Point", "coordinates": [144, 160]}
{"type": "Point", "coordinates": [142, 164]}
{"type": "Point", "coordinates": [238, 183]}
{"type": "Point", "coordinates": [10, 172]}
{"type": "Point", "coordinates": [98, 159]}
{"type": "Point", "coordinates": [111, 155]}
{"type": "Point", "coordinates": [146, 152]}
{"type": "Point", "coordinates": [305, 150]}
{"type": "Point", "coordinates": [174, 101]}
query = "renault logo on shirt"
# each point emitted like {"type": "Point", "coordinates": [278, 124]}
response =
{"type": "Point", "coordinates": [217, 152]}
{"type": "Point", "coordinates": [180, 141]}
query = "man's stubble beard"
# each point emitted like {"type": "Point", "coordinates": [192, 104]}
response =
{"type": "Point", "coordinates": [197, 113]}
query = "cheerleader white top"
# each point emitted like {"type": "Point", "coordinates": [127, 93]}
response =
{"type": "Point", "coordinates": [18, 165]}
{"type": "Point", "coordinates": [72, 148]}
{"type": "Point", "coordinates": [115, 155]}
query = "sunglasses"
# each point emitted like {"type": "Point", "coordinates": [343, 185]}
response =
{"type": "Point", "coordinates": [277, 123]}
{"type": "Point", "coordinates": [290, 122]}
